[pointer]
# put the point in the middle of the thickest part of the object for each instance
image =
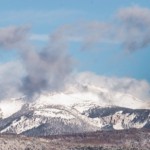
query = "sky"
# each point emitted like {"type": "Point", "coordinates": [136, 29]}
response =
{"type": "Point", "coordinates": [106, 38]}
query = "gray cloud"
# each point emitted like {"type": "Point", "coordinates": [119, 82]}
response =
{"type": "Point", "coordinates": [94, 33]}
{"type": "Point", "coordinates": [10, 73]}
{"type": "Point", "coordinates": [10, 79]}
{"type": "Point", "coordinates": [130, 29]}
{"type": "Point", "coordinates": [88, 34]}
{"type": "Point", "coordinates": [134, 27]}
{"type": "Point", "coordinates": [45, 69]}
{"type": "Point", "coordinates": [12, 37]}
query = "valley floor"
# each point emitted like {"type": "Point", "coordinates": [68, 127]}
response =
{"type": "Point", "coordinates": [132, 139]}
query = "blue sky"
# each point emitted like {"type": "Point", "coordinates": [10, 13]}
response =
{"type": "Point", "coordinates": [46, 16]}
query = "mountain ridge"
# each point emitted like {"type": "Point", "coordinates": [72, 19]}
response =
{"type": "Point", "coordinates": [74, 112]}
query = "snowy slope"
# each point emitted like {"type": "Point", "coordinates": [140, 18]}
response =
{"type": "Point", "coordinates": [74, 111]}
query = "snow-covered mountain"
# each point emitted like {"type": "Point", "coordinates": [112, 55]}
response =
{"type": "Point", "coordinates": [74, 111]}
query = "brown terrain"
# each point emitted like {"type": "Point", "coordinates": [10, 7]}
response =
{"type": "Point", "coordinates": [132, 139]}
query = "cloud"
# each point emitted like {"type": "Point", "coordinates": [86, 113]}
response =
{"type": "Point", "coordinates": [137, 88]}
{"type": "Point", "coordinates": [11, 72]}
{"type": "Point", "coordinates": [45, 69]}
{"type": "Point", "coordinates": [130, 29]}
{"type": "Point", "coordinates": [10, 79]}
{"type": "Point", "coordinates": [48, 68]}
{"type": "Point", "coordinates": [94, 33]}
{"type": "Point", "coordinates": [12, 37]}
{"type": "Point", "coordinates": [88, 34]}
{"type": "Point", "coordinates": [134, 27]}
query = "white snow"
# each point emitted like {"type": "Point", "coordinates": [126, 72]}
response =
{"type": "Point", "coordinates": [118, 126]}
{"type": "Point", "coordinates": [9, 107]}
{"type": "Point", "coordinates": [24, 124]}
{"type": "Point", "coordinates": [52, 112]}
{"type": "Point", "coordinates": [66, 99]}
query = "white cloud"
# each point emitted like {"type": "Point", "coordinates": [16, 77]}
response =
{"type": "Point", "coordinates": [134, 87]}
{"type": "Point", "coordinates": [10, 79]}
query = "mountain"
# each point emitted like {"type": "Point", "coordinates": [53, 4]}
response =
{"type": "Point", "coordinates": [73, 111]}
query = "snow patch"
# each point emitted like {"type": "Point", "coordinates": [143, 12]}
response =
{"type": "Point", "coordinates": [9, 107]}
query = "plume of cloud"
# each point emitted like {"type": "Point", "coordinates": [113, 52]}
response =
{"type": "Point", "coordinates": [10, 79]}
{"type": "Point", "coordinates": [44, 70]}
{"type": "Point", "coordinates": [47, 69]}
{"type": "Point", "coordinates": [134, 27]}
{"type": "Point", "coordinates": [12, 37]}
{"type": "Point", "coordinates": [11, 72]}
